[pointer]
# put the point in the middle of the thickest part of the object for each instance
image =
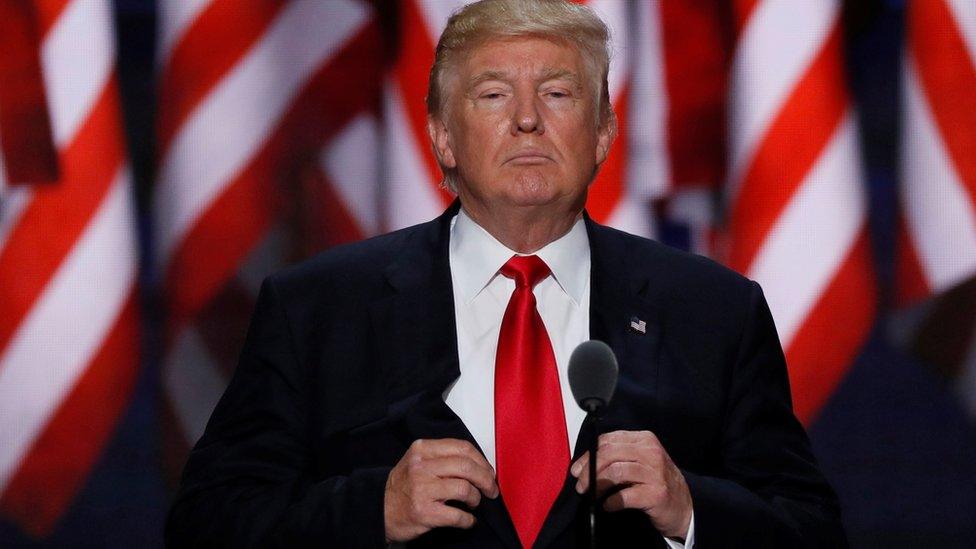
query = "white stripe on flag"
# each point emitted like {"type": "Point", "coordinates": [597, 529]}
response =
{"type": "Point", "coordinates": [615, 14]}
{"type": "Point", "coordinates": [938, 211]}
{"type": "Point", "coordinates": [436, 14]}
{"type": "Point", "coordinates": [77, 59]}
{"type": "Point", "coordinates": [648, 168]}
{"type": "Point", "coordinates": [412, 197]}
{"type": "Point", "coordinates": [350, 162]}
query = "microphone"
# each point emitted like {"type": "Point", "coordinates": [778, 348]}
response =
{"type": "Point", "coordinates": [592, 379]}
{"type": "Point", "coordinates": [592, 375]}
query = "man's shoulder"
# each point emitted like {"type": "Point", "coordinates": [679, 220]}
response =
{"type": "Point", "coordinates": [352, 265]}
{"type": "Point", "coordinates": [666, 267]}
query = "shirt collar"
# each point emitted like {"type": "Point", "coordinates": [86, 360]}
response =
{"type": "Point", "coordinates": [477, 256]}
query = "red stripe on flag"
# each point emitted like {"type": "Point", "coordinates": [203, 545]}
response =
{"type": "Point", "coordinates": [57, 216]}
{"type": "Point", "coordinates": [696, 50]}
{"type": "Point", "coordinates": [220, 239]}
{"type": "Point", "coordinates": [48, 12]}
{"type": "Point", "coordinates": [210, 48]}
{"type": "Point", "coordinates": [742, 12]}
{"type": "Point", "coordinates": [948, 79]}
{"type": "Point", "coordinates": [25, 128]}
{"type": "Point", "coordinates": [800, 132]}
{"type": "Point", "coordinates": [416, 56]}
{"type": "Point", "coordinates": [245, 210]}
{"type": "Point", "coordinates": [607, 189]}
{"type": "Point", "coordinates": [821, 353]}
{"type": "Point", "coordinates": [60, 459]}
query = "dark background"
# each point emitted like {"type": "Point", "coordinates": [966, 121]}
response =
{"type": "Point", "coordinates": [893, 440]}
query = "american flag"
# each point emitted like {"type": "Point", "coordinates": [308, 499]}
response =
{"type": "Point", "coordinates": [937, 241]}
{"type": "Point", "coordinates": [797, 211]}
{"type": "Point", "coordinates": [68, 319]}
{"type": "Point", "coordinates": [938, 183]}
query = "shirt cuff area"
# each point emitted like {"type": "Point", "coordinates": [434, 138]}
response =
{"type": "Point", "coordinates": [689, 541]}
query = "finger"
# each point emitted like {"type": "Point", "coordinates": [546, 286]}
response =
{"type": "Point", "coordinates": [581, 470]}
{"type": "Point", "coordinates": [619, 446]}
{"type": "Point", "coordinates": [625, 452]}
{"type": "Point", "coordinates": [453, 489]}
{"type": "Point", "coordinates": [580, 464]}
{"type": "Point", "coordinates": [628, 437]}
{"type": "Point", "coordinates": [583, 480]}
{"type": "Point", "coordinates": [622, 474]}
{"type": "Point", "coordinates": [618, 452]}
{"type": "Point", "coordinates": [464, 449]}
{"type": "Point", "coordinates": [632, 497]}
{"type": "Point", "coordinates": [619, 473]}
{"type": "Point", "coordinates": [446, 447]}
{"type": "Point", "coordinates": [478, 473]}
{"type": "Point", "coordinates": [432, 449]}
{"type": "Point", "coordinates": [441, 515]}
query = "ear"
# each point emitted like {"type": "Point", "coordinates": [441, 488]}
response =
{"type": "Point", "coordinates": [606, 133]}
{"type": "Point", "coordinates": [437, 131]}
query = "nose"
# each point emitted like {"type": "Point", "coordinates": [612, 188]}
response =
{"type": "Point", "coordinates": [527, 118]}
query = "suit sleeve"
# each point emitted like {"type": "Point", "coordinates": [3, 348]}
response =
{"type": "Point", "coordinates": [770, 492]}
{"type": "Point", "coordinates": [248, 481]}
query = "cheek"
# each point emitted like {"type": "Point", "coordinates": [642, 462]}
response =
{"type": "Point", "coordinates": [581, 145]}
{"type": "Point", "coordinates": [484, 139]}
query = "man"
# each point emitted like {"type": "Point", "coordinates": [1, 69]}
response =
{"type": "Point", "coordinates": [412, 388]}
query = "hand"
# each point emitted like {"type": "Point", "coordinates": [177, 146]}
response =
{"type": "Point", "coordinates": [430, 474]}
{"type": "Point", "coordinates": [638, 464]}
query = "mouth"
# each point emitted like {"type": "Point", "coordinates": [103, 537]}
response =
{"type": "Point", "coordinates": [528, 157]}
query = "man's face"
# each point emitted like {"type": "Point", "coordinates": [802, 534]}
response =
{"type": "Point", "coordinates": [521, 127]}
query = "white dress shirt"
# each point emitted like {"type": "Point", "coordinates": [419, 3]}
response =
{"type": "Point", "coordinates": [481, 295]}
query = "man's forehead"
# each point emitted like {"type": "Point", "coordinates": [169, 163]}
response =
{"type": "Point", "coordinates": [519, 52]}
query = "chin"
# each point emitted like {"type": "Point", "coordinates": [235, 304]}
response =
{"type": "Point", "coordinates": [532, 190]}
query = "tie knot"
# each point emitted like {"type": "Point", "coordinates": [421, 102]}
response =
{"type": "Point", "coordinates": [527, 270]}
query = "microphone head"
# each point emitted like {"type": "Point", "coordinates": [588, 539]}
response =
{"type": "Point", "coordinates": [592, 374]}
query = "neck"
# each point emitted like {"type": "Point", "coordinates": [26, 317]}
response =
{"type": "Point", "coordinates": [525, 230]}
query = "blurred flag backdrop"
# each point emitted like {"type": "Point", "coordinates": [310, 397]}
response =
{"type": "Point", "coordinates": [284, 127]}
{"type": "Point", "coordinates": [68, 255]}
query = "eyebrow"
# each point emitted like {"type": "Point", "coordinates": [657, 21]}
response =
{"type": "Point", "coordinates": [547, 74]}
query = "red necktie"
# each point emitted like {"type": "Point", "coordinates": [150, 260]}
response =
{"type": "Point", "coordinates": [531, 445]}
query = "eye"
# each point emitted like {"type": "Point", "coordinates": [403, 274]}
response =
{"type": "Point", "coordinates": [557, 94]}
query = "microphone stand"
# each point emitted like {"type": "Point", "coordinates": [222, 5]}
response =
{"type": "Point", "coordinates": [592, 412]}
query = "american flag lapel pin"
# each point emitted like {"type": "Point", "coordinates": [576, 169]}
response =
{"type": "Point", "coordinates": [637, 325]}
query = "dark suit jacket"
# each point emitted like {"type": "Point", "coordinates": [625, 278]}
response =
{"type": "Point", "coordinates": [348, 355]}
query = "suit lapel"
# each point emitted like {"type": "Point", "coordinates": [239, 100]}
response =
{"type": "Point", "coordinates": [417, 332]}
{"type": "Point", "coordinates": [616, 298]}
{"type": "Point", "coordinates": [414, 323]}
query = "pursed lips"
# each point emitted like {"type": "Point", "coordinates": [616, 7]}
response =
{"type": "Point", "coordinates": [527, 157]}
